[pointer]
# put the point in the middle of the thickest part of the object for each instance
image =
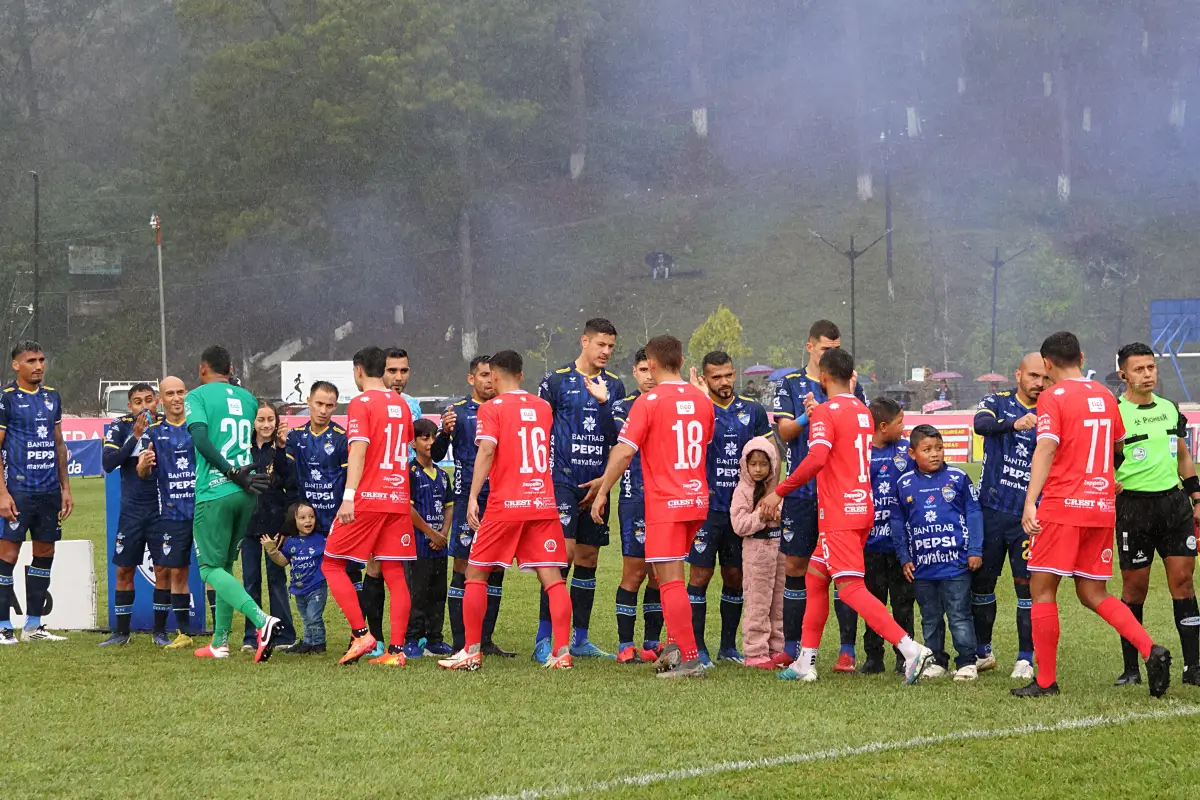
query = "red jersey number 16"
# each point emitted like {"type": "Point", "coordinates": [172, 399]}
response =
{"type": "Point", "coordinates": [533, 448]}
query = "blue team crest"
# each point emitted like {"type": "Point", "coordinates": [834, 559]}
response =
{"type": "Point", "coordinates": [328, 448]}
{"type": "Point", "coordinates": [744, 417]}
{"type": "Point", "coordinates": [948, 494]}
{"type": "Point", "coordinates": [49, 404]}
{"type": "Point", "coordinates": [700, 546]}
{"type": "Point", "coordinates": [465, 537]}
{"type": "Point", "coordinates": [899, 460]}
{"type": "Point", "coordinates": [640, 535]}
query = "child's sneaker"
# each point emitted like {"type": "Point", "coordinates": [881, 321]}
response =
{"type": "Point", "coordinates": [968, 673]}
{"type": "Point", "coordinates": [411, 650]}
{"type": "Point", "coordinates": [761, 662]}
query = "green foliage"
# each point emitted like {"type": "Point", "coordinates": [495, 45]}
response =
{"type": "Point", "coordinates": [721, 331]}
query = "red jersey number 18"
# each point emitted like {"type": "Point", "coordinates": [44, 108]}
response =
{"type": "Point", "coordinates": [533, 443]}
{"type": "Point", "coordinates": [1099, 440]}
{"type": "Point", "coordinates": [691, 451]}
{"type": "Point", "coordinates": [396, 453]}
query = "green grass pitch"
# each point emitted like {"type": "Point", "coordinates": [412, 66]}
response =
{"type": "Point", "coordinates": [140, 722]}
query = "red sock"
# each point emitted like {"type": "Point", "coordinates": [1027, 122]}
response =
{"type": "Point", "coordinates": [401, 601]}
{"type": "Point", "coordinates": [816, 611]}
{"type": "Point", "coordinates": [1117, 614]}
{"type": "Point", "coordinates": [474, 607]}
{"type": "Point", "coordinates": [342, 589]}
{"type": "Point", "coordinates": [677, 611]}
{"type": "Point", "coordinates": [854, 593]}
{"type": "Point", "coordinates": [560, 614]}
{"type": "Point", "coordinates": [1044, 617]}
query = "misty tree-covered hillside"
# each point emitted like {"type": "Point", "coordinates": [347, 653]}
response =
{"type": "Point", "coordinates": [459, 176]}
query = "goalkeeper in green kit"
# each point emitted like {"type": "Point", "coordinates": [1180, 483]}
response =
{"type": "Point", "coordinates": [220, 418]}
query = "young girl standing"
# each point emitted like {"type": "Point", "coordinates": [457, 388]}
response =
{"type": "Point", "coordinates": [301, 547]}
{"type": "Point", "coordinates": [762, 563]}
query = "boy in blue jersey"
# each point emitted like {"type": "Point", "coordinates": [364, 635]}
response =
{"type": "Point", "coordinates": [798, 393]}
{"type": "Point", "coordinates": [171, 460]}
{"type": "Point", "coordinates": [432, 511]}
{"type": "Point", "coordinates": [737, 420]}
{"type": "Point", "coordinates": [1007, 421]}
{"type": "Point", "coordinates": [127, 447]}
{"type": "Point", "coordinates": [35, 495]}
{"type": "Point", "coordinates": [940, 544]}
{"type": "Point", "coordinates": [631, 517]}
{"type": "Point", "coordinates": [458, 429]}
{"type": "Point", "coordinates": [884, 573]}
{"type": "Point", "coordinates": [581, 395]}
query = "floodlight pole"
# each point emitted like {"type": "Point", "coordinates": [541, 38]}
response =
{"type": "Point", "coordinates": [852, 255]}
{"type": "Point", "coordinates": [996, 264]}
{"type": "Point", "coordinates": [37, 230]}
{"type": "Point", "coordinates": [156, 224]}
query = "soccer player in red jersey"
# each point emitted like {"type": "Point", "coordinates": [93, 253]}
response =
{"type": "Point", "coordinates": [839, 448]}
{"type": "Point", "coordinates": [1071, 532]}
{"type": "Point", "coordinates": [374, 518]}
{"type": "Point", "coordinates": [513, 435]}
{"type": "Point", "coordinates": [671, 426]}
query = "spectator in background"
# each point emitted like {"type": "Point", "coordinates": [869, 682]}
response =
{"type": "Point", "coordinates": [270, 457]}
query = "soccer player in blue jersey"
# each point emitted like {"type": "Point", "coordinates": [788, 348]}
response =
{"type": "Point", "coordinates": [171, 461]}
{"type": "Point", "coordinates": [1007, 421]}
{"type": "Point", "coordinates": [737, 420]}
{"type": "Point", "coordinates": [798, 393]}
{"type": "Point", "coordinates": [35, 495]}
{"type": "Point", "coordinates": [631, 517]}
{"type": "Point", "coordinates": [126, 447]}
{"type": "Point", "coordinates": [940, 544]}
{"type": "Point", "coordinates": [581, 395]}
{"type": "Point", "coordinates": [884, 572]}
{"type": "Point", "coordinates": [458, 429]}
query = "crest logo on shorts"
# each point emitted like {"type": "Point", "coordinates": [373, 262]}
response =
{"type": "Point", "coordinates": [406, 540]}
{"type": "Point", "coordinates": [640, 535]}
{"type": "Point", "coordinates": [551, 545]}
{"type": "Point", "coordinates": [700, 545]}
{"type": "Point", "coordinates": [1191, 543]}
{"type": "Point", "coordinates": [1106, 556]}
{"type": "Point", "coordinates": [465, 538]}
{"type": "Point", "coordinates": [12, 526]}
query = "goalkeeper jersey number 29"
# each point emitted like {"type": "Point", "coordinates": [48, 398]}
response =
{"type": "Point", "coordinates": [229, 413]}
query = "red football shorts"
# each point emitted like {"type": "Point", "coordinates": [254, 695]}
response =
{"type": "Point", "coordinates": [841, 552]}
{"type": "Point", "coordinates": [1068, 550]}
{"type": "Point", "coordinates": [670, 541]}
{"type": "Point", "coordinates": [387, 537]}
{"type": "Point", "coordinates": [533, 543]}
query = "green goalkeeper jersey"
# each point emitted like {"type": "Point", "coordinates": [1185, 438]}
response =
{"type": "Point", "coordinates": [229, 413]}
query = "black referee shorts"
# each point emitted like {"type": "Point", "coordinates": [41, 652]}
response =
{"type": "Point", "coordinates": [1150, 522]}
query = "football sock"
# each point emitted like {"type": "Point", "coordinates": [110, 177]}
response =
{"type": "Point", "coordinates": [230, 589]}
{"type": "Point", "coordinates": [698, 597]}
{"type": "Point", "coordinates": [874, 613]}
{"type": "Point", "coordinates": [494, 594]}
{"type": "Point", "coordinates": [983, 611]}
{"type": "Point", "coordinates": [474, 607]}
{"type": "Point", "coordinates": [212, 603]}
{"type": "Point", "coordinates": [1024, 626]}
{"type": "Point", "coordinates": [342, 589]}
{"type": "Point", "coordinates": [123, 609]}
{"type": "Point", "coordinates": [1044, 618]}
{"type": "Point", "coordinates": [583, 593]}
{"type": "Point", "coordinates": [222, 622]}
{"type": "Point", "coordinates": [1189, 634]}
{"type": "Point", "coordinates": [908, 647]}
{"type": "Point", "coordinates": [545, 627]}
{"type": "Point", "coordinates": [1129, 653]}
{"type": "Point", "coordinates": [626, 616]}
{"type": "Point", "coordinates": [795, 596]}
{"type": "Point", "coordinates": [731, 616]}
{"type": "Point", "coordinates": [847, 624]}
{"type": "Point", "coordinates": [559, 600]}
{"type": "Point", "coordinates": [37, 583]}
{"type": "Point", "coordinates": [182, 604]}
{"type": "Point", "coordinates": [162, 609]}
{"type": "Point", "coordinates": [806, 660]}
{"type": "Point", "coordinates": [370, 598]}
{"type": "Point", "coordinates": [652, 616]}
{"type": "Point", "coordinates": [401, 601]}
{"type": "Point", "coordinates": [678, 613]}
{"type": "Point", "coordinates": [1117, 614]}
{"type": "Point", "coordinates": [6, 592]}
{"type": "Point", "coordinates": [817, 612]}
{"type": "Point", "coordinates": [454, 605]}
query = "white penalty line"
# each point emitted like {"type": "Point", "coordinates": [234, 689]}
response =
{"type": "Point", "coordinates": [871, 748]}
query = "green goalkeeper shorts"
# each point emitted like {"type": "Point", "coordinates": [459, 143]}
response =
{"type": "Point", "coordinates": [219, 527]}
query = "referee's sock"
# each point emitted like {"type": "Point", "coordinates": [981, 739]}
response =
{"type": "Point", "coordinates": [1186, 612]}
{"type": "Point", "coordinates": [1129, 653]}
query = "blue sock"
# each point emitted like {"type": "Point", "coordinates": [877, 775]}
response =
{"type": "Point", "coordinates": [32, 622]}
{"type": "Point", "coordinates": [1024, 656]}
{"type": "Point", "coordinates": [847, 649]}
{"type": "Point", "coordinates": [792, 649]}
{"type": "Point", "coordinates": [545, 630]}
{"type": "Point", "coordinates": [983, 650]}
{"type": "Point", "coordinates": [579, 636]}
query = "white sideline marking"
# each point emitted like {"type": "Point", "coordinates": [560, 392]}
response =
{"type": "Point", "coordinates": [645, 779]}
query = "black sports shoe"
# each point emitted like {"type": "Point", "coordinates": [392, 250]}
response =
{"type": "Point", "coordinates": [1129, 679]}
{"type": "Point", "coordinates": [116, 640]}
{"type": "Point", "coordinates": [493, 649]}
{"type": "Point", "coordinates": [302, 649]}
{"type": "Point", "coordinates": [1158, 670]}
{"type": "Point", "coordinates": [872, 666]}
{"type": "Point", "coordinates": [899, 670]}
{"type": "Point", "coordinates": [1034, 690]}
{"type": "Point", "coordinates": [1191, 675]}
{"type": "Point", "coordinates": [317, 650]}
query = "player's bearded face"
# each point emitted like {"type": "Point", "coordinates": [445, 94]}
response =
{"type": "Point", "coordinates": [720, 380]}
{"type": "Point", "coordinates": [598, 349]}
{"type": "Point", "coordinates": [481, 382]}
{"type": "Point", "coordinates": [30, 367]}
{"type": "Point", "coordinates": [141, 401]}
{"type": "Point", "coordinates": [643, 376]}
{"type": "Point", "coordinates": [395, 375]}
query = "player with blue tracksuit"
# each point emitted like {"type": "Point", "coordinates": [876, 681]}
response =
{"type": "Point", "coordinates": [125, 445]}
{"type": "Point", "coordinates": [940, 544]}
{"type": "Point", "coordinates": [797, 393]}
{"type": "Point", "coordinates": [580, 395]}
{"type": "Point", "coordinates": [1007, 421]}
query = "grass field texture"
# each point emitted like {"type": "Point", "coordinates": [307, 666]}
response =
{"type": "Point", "coordinates": [140, 722]}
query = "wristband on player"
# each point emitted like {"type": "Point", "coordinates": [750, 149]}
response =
{"type": "Point", "coordinates": [1192, 485]}
{"type": "Point", "coordinates": [349, 494]}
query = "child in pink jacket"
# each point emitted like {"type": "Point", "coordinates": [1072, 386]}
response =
{"type": "Point", "coordinates": [762, 563]}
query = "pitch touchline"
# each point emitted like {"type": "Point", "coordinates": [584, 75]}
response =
{"type": "Point", "coordinates": [645, 779]}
